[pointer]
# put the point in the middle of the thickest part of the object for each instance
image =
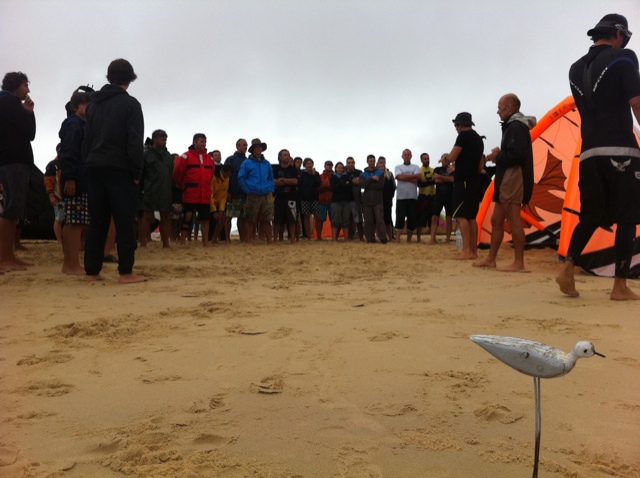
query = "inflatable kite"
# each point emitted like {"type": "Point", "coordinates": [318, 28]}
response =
{"type": "Point", "coordinates": [553, 211]}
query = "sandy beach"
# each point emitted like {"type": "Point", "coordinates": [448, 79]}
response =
{"type": "Point", "coordinates": [309, 360]}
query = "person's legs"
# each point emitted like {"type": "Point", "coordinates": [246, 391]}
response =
{"type": "Point", "coordinates": [99, 222]}
{"type": "Point", "coordinates": [8, 260]}
{"type": "Point", "coordinates": [518, 237]}
{"type": "Point", "coordinates": [497, 235]}
{"type": "Point", "coordinates": [72, 239]}
{"type": "Point", "coordinates": [369, 224]}
{"type": "Point", "coordinates": [381, 228]}
{"type": "Point", "coordinates": [625, 238]}
{"type": "Point", "coordinates": [165, 228]}
{"type": "Point", "coordinates": [122, 193]}
{"type": "Point", "coordinates": [412, 217]}
{"type": "Point", "coordinates": [579, 239]}
{"type": "Point", "coordinates": [465, 231]}
{"type": "Point", "coordinates": [145, 225]}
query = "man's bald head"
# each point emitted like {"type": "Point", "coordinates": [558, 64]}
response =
{"type": "Point", "coordinates": [508, 105]}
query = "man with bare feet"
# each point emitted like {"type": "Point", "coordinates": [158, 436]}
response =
{"type": "Point", "coordinates": [193, 173]}
{"type": "Point", "coordinates": [73, 181]}
{"type": "Point", "coordinates": [256, 180]}
{"type": "Point", "coordinates": [442, 199]}
{"type": "Point", "coordinates": [17, 130]}
{"type": "Point", "coordinates": [156, 187]}
{"type": "Point", "coordinates": [113, 154]}
{"type": "Point", "coordinates": [465, 156]}
{"type": "Point", "coordinates": [513, 182]}
{"type": "Point", "coordinates": [407, 177]}
{"type": "Point", "coordinates": [606, 87]}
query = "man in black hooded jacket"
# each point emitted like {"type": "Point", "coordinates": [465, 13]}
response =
{"type": "Point", "coordinates": [113, 155]}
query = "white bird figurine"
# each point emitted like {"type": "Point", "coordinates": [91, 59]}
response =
{"type": "Point", "coordinates": [537, 360]}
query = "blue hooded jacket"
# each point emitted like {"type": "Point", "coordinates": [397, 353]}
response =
{"type": "Point", "coordinates": [256, 176]}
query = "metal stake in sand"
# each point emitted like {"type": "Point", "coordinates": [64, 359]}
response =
{"type": "Point", "coordinates": [537, 360]}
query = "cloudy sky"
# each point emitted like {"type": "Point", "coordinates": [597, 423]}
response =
{"type": "Point", "coordinates": [325, 79]}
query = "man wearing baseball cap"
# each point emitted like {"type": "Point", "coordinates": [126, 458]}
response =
{"type": "Point", "coordinates": [605, 84]}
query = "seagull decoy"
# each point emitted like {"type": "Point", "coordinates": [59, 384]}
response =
{"type": "Point", "coordinates": [537, 360]}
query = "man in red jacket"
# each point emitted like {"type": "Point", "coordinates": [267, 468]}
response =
{"type": "Point", "coordinates": [193, 172]}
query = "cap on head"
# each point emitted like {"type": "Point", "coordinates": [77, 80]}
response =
{"type": "Point", "coordinates": [328, 163]}
{"type": "Point", "coordinates": [257, 142]}
{"type": "Point", "coordinates": [463, 119]}
{"type": "Point", "coordinates": [612, 21]}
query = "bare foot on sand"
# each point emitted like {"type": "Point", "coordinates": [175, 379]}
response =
{"type": "Point", "coordinates": [432, 243]}
{"type": "Point", "coordinates": [16, 265]}
{"type": "Point", "coordinates": [97, 278]}
{"type": "Point", "coordinates": [73, 271]}
{"type": "Point", "coordinates": [465, 257]}
{"type": "Point", "coordinates": [621, 291]}
{"type": "Point", "coordinates": [567, 284]}
{"type": "Point", "coordinates": [131, 279]}
{"type": "Point", "coordinates": [513, 268]}
{"type": "Point", "coordinates": [486, 263]}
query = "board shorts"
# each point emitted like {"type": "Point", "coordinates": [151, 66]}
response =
{"type": "Point", "coordinates": [58, 211]}
{"type": "Point", "coordinates": [259, 205]}
{"type": "Point", "coordinates": [309, 207]}
{"type": "Point", "coordinates": [425, 210]}
{"type": "Point", "coordinates": [609, 190]}
{"type": "Point", "coordinates": [177, 212]}
{"type": "Point", "coordinates": [235, 208]}
{"type": "Point", "coordinates": [76, 210]}
{"type": "Point", "coordinates": [285, 211]}
{"type": "Point", "coordinates": [14, 179]}
{"type": "Point", "coordinates": [511, 186]}
{"type": "Point", "coordinates": [325, 210]}
{"type": "Point", "coordinates": [466, 199]}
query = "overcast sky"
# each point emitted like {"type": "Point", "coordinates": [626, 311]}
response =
{"type": "Point", "coordinates": [324, 79]}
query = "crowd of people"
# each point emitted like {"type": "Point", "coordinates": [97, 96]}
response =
{"type": "Point", "coordinates": [106, 180]}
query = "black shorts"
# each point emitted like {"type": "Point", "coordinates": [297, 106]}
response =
{"type": "Point", "coordinates": [610, 190]}
{"type": "Point", "coordinates": [203, 211]}
{"type": "Point", "coordinates": [285, 211]}
{"type": "Point", "coordinates": [466, 199]}
{"type": "Point", "coordinates": [14, 179]}
{"type": "Point", "coordinates": [443, 201]}
{"type": "Point", "coordinates": [425, 209]}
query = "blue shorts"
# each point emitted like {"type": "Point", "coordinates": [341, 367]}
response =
{"type": "Point", "coordinates": [325, 210]}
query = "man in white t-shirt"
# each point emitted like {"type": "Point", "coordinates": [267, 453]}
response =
{"type": "Point", "coordinates": [407, 177]}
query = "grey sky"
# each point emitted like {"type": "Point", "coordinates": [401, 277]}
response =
{"type": "Point", "coordinates": [325, 79]}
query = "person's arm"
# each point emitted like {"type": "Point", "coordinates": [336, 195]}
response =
{"type": "Point", "coordinates": [635, 107]}
{"type": "Point", "coordinates": [135, 140]}
{"type": "Point", "coordinates": [455, 152]}
{"type": "Point", "coordinates": [178, 171]}
{"type": "Point", "coordinates": [514, 146]}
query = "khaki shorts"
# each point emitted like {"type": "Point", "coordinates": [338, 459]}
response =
{"type": "Point", "coordinates": [259, 205]}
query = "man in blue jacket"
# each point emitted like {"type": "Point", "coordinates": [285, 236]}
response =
{"type": "Point", "coordinates": [113, 153]}
{"type": "Point", "coordinates": [256, 180]}
{"type": "Point", "coordinates": [17, 130]}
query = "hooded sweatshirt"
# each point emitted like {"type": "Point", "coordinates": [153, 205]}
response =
{"type": "Point", "coordinates": [114, 136]}
{"type": "Point", "coordinates": [71, 135]}
{"type": "Point", "coordinates": [17, 130]}
{"type": "Point", "coordinates": [256, 176]}
{"type": "Point", "coordinates": [516, 152]}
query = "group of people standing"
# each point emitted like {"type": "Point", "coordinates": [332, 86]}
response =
{"type": "Point", "coordinates": [105, 176]}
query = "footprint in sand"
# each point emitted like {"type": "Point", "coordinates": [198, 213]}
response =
{"type": "Point", "coordinates": [53, 357]}
{"type": "Point", "coordinates": [500, 413]}
{"type": "Point", "coordinates": [203, 405]}
{"type": "Point", "coordinates": [389, 409]}
{"type": "Point", "coordinates": [46, 388]}
{"type": "Point", "coordinates": [268, 385]}
{"type": "Point", "coordinates": [160, 378]}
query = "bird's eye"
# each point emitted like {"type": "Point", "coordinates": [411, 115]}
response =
{"type": "Point", "coordinates": [585, 351]}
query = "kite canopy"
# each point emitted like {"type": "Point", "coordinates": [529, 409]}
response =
{"type": "Point", "coordinates": [553, 212]}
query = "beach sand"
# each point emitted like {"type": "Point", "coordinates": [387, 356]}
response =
{"type": "Point", "coordinates": [311, 360]}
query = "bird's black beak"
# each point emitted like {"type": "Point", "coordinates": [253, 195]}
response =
{"type": "Point", "coordinates": [599, 355]}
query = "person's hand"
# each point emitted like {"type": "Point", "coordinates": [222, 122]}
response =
{"type": "Point", "coordinates": [136, 181]}
{"type": "Point", "coordinates": [376, 178]}
{"type": "Point", "coordinates": [70, 187]}
{"type": "Point", "coordinates": [28, 104]}
{"type": "Point", "coordinates": [53, 199]}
